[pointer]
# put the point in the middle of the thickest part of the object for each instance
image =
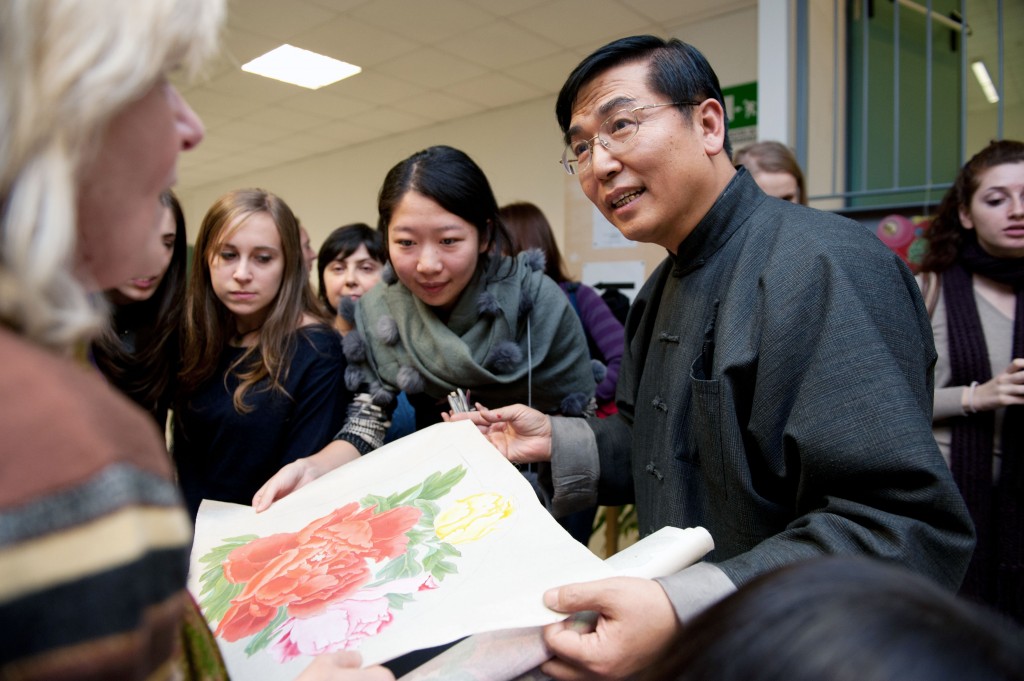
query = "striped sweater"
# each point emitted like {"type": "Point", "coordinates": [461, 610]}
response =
{"type": "Point", "coordinates": [93, 539]}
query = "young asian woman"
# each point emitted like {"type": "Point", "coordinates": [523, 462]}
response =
{"type": "Point", "coordinates": [451, 313]}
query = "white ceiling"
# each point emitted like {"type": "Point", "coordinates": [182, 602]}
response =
{"type": "Point", "coordinates": [427, 61]}
{"type": "Point", "coordinates": [424, 61]}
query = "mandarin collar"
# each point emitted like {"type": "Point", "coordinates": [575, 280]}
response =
{"type": "Point", "coordinates": [735, 204]}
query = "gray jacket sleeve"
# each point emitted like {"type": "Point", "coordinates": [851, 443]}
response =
{"type": "Point", "coordinates": [574, 465]}
{"type": "Point", "coordinates": [575, 470]}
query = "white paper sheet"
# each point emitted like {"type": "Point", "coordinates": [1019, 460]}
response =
{"type": "Point", "coordinates": [516, 653]}
{"type": "Point", "coordinates": [509, 551]}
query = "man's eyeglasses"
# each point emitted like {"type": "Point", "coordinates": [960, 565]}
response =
{"type": "Point", "coordinates": [617, 130]}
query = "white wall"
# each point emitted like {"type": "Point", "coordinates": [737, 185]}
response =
{"type": "Point", "coordinates": [983, 124]}
{"type": "Point", "coordinates": [729, 41]}
{"type": "Point", "coordinates": [517, 146]}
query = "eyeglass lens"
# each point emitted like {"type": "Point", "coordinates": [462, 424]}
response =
{"type": "Point", "coordinates": [617, 129]}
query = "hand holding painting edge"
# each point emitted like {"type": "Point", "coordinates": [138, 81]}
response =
{"type": "Point", "coordinates": [522, 434]}
{"type": "Point", "coordinates": [622, 625]}
{"type": "Point", "coordinates": [519, 653]}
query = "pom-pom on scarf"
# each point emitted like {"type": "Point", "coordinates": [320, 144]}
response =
{"type": "Point", "coordinates": [484, 347]}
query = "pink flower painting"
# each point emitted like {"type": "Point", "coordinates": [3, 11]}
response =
{"type": "Point", "coordinates": [344, 624]}
{"type": "Point", "coordinates": [340, 579]}
{"type": "Point", "coordinates": [306, 571]}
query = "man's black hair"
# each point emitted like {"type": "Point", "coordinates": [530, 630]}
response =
{"type": "Point", "coordinates": [678, 70]}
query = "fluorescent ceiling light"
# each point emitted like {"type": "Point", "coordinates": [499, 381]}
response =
{"type": "Point", "coordinates": [981, 73]}
{"type": "Point", "coordinates": [300, 67]}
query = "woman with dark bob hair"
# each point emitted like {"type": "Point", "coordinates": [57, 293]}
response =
{"type": "Point", "coordinates": [349, 264]}
{"type": "Point", "coordinates": [973, 284]}
{"type": "Point", "coordinates": [451, 313]}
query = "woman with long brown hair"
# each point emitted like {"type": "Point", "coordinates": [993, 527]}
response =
{"type": "Point", "coordinates": [261, 382]}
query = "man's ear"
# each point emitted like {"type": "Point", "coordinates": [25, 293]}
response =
{"type": "Point", "coordinates": [711, 117]}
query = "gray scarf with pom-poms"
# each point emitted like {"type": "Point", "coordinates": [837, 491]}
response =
{"type": "Point", "coordinates": [485, 347]}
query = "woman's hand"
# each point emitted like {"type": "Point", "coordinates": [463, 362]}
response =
{"type": "Point", "coordinates": [521, 434]}
{"type": "Point", "coordinates": [302, 472]}
{"type": "Point", "coordinates": [1003, 390]}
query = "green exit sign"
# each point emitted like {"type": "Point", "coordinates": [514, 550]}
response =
{"type": "Point", "coordinates": [741, 105]}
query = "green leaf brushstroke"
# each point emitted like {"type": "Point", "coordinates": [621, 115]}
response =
{"type": "Point", "coordinates": [216, 592]}
{"type": "Point", "coordinates": [263, 639]}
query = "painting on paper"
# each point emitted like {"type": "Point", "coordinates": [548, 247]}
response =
{"type": "Point", "coordinates": [422, 542]}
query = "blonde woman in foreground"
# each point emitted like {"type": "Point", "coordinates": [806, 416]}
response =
{"type": "Point", "coordinates": [93, 539]}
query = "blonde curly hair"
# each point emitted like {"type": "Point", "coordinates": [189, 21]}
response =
{"type": "Point", "coordinates": [67, 67]}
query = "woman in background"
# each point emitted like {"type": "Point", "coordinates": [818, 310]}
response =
{"type": "Point", "coordinates": [453, 314]}
{"type": "Point", "coordinates": [261, 382]}
{"type": "Point", "coordinates": [531, 230]}
{"type": "Point", "coordinates": [138, 352]}
{"type": "Point", "coordinates": [775, 170]}
{"type": "Point", "coordinates": [94, 543]}
{"type": "Point", "coordinates": [350, 263]}
{"type": "Point", "coordinates": [973, 283]}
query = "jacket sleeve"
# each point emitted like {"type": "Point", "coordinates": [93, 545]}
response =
{"type": "Point", "coordinates": [365, 426]}
{"type": "Point", "coordinates": [838, 426]}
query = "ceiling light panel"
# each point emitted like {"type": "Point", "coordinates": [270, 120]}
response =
{"type": "Point", "coordinates": [300, 67]}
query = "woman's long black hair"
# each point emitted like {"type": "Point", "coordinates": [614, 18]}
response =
{"type": "Point", "coordinates": [146, 371]}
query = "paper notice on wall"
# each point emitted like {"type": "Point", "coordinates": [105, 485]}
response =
{"type": "Point", "coordinates": [605, 234]}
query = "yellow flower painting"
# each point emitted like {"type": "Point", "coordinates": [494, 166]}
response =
{"type": "Point", "coordinates": [472, 518]}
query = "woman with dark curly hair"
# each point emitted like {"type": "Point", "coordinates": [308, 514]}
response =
{"type": "Point", "coordinates": [350, 263]}
{"type": "Point", "coordinates": [973, 283]}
